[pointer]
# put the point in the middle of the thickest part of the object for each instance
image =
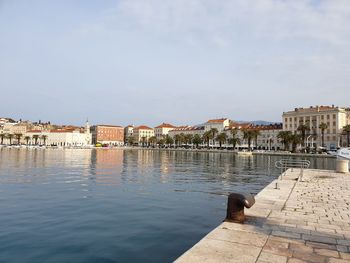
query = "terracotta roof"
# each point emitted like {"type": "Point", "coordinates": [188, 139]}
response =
{"type": "Point", "coordinates": [188, 128]}
{"type": "Point", "coordinates": [62, 130]}
{"type": "Point", "coordinates": [217, 120]}
{"type": "Point", "coordinates": [165, 125]}
{"type": "Point", "coordinates": [112, 126]}
{"type": "Point", "coordinates": [275, 126]}
{"type": "Point", "coordinates": [143, 127]}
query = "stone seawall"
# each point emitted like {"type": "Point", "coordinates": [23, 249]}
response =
{"type": "Point", "coordinates": [304, 220]}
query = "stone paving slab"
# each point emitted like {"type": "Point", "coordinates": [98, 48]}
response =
{"type": "Point", "coordinates": [295, 219]}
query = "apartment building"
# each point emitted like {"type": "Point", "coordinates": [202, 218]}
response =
{"type": "Point", "coordinates": [193, 130]}
{"type": "Point", "coordinates": [107, 134]}
{"type": "Point", "coordinates": [142, 133]}
{"type": "Point", "coordinates": [163, 129]}
{"type": "Point", "coordinates": [334, 117]}
{"type": "Point", "coordinates": [219, 124]}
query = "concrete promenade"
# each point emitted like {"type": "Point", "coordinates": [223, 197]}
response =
{"type": "Point", "coordinates": [305, 220]}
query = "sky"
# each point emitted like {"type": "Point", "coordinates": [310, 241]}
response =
{"type": "Point", "coordinates": [178, 61]}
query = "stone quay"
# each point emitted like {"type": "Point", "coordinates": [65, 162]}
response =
{"type": "Point", "coordinates": [295, 219]}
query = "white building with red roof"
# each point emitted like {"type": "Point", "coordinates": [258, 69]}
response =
{"type": "Point", "coordinates": [142, 133]}
{"type": "Point", "coordinates": [163, 129]}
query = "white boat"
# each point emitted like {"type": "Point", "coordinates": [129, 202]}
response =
{"type": "Point", "coordinates": [344, 153]}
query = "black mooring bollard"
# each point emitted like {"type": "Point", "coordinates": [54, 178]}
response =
{"type": "Point", "coordinates": [235, 206]}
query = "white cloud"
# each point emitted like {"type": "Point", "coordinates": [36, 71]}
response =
{"type": "Point", "coordinates": [325, 21]}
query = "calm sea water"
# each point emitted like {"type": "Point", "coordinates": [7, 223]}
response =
{"type": "Point", "coordinates": [118, 205]}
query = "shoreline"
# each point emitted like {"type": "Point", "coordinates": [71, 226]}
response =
{"type": "Point", "coordinates": [243, 153]}
{"type": "Point", "coordinates": [288, 223]}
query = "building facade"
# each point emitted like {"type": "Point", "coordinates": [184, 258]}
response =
{"type": "Point", "coordinates": [334, 117]}
{"type": "Point", "coordinates": [107, 134]}
{"type": "Point", "coordinates": [142, 134]}
{"type": "Point", "coordinates": [162, 130]}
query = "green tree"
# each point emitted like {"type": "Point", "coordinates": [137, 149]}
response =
{"type": "Point", "coordinates": [213, 132]}
{"type": "Point", "coordinates": [248, 135]}
{"type": "Point", "coordinates": [143, 140]}
{"type": "Point", "coordinates": [2, 137]}
{"type": "Point", "coordinates": [188, 138]}
{"type": "Point", "coordinates": [207, 136]}
{"type": "Point", "coordinates": [161, 142]}
{"type": "Point", "coordinates": [36, 138]}
{"type": "Point", "coordinates": [255, 134]}
{"type": "Point", "coordinates": [131, 140]}
{"type": "Point", "coordinates": [221, 138]}
{"type": "Point", "coordinates": [10, 137]}
{"type": "Point", "coordinates": [323, 126]}
{"type": "Point", "coordinates": [168, 140]}
{"type": "Point", "coordinates": [197, 140]}
{"type": "Point", "coordinates": [44, 138]}
{"type": "Point", "coordinates": [234, 141]}
{"type": "Point", "coordinates": [303, 128]}
{"type": "Point", "coordinates": [18, 137]}
{"type": "Point", "coordinates": [178, 138]}
{"type": "Point", "coordinates": [295, 139]}
{"type": "Point", "coordinates": [285, 137]}
{"type": "Point", "coordinates": [346, 130]}
{"type": "Point", "coordinates": [152, 140]}
{"type": "Point", "coordinates": [27, 139]}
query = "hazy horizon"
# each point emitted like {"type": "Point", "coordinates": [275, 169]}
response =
{"type": "Point", "coordinates": [182, 62]}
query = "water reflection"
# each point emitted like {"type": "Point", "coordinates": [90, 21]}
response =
{"type": "Point", "coordinates": [118, 205]}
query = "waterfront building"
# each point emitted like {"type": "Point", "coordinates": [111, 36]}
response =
{"type": "Point", "coordinates": [128, 132]}
{"type": "Point", "coordinates": [192, 130]}
{"type": "Point", "coordinates": [219, 124]}
{"type": "Point", "coordinates": [268, 136]}
{"type": "Point", "coordinates": [108, 134]}
{"type": "Point", "coordinates": [142, 134]}
{"type": "Point", "coordinates": [163, 129]}
{"type": "Point", "coordinates": [334, 117]}
{"type": "Point", "coordinates": [76, 136]}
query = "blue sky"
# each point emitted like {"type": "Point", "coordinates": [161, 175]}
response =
{"type": "Point", "coordinates": [178, 61]}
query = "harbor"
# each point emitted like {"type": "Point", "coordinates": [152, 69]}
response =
{"type": "Point", "coordinates": [303, 216]}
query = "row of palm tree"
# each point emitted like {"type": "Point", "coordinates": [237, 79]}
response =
{"type": "Point", "coordinates": [209, 136]}
{"type": "Point", "coordinates": [288, 138]}
{"type": "Point", "coordinates": [18, 137]}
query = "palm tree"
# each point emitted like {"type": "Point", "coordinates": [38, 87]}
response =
{"type": "Point", "coordinates": [143, 140]}
{"type": "Point", "coordinates": [36, 138]}
{"type": "Point", "coordinates": [27, 138]}
{"type": "Point", "coordinates": [2, 136]}
{"type": "Point", "coordinates": [197, 140]}
{"type": "Point", "coordinates": [248, 135]}
{"type": "Point", "coordinates": [323, 126]}
{"type": "Point", "coordinates": [346, 130]}
{"type": "Point", "coordinates": [168, 140]}
{"type": "Point", "coordinates": [213, 132]}
{"type": "Point", "coordinates": [161, 142]}
{"type": "Point", "coordinates": [234, 141]}
{"type": "Point", "coordinates": [178, 139]}
{"type": "Point", "coordinates": [10, 137]}
{"type": "Point", "coordinates": [188, 138]}
{"type": "Point", "coordinates": [295, 140]}
{"type": "Point", "coordinates": [44, 138]}
{"type": "Point", "coordinates": [152, 140]}
{"type": "Point", "coordinates": [221, 138]}
{"type": "Point", "coordinates": [207, 136]}
{"type": "Point", "coordinates": [303, 128]}
{"type": "Point", "coordinates": [285, 137]}
{"type": "Point", "coordinates": [255, 134]}
{"type": "Point", "coordinates": [131, 140]}
{"type": "Point", "coordinates": [18, 137]}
